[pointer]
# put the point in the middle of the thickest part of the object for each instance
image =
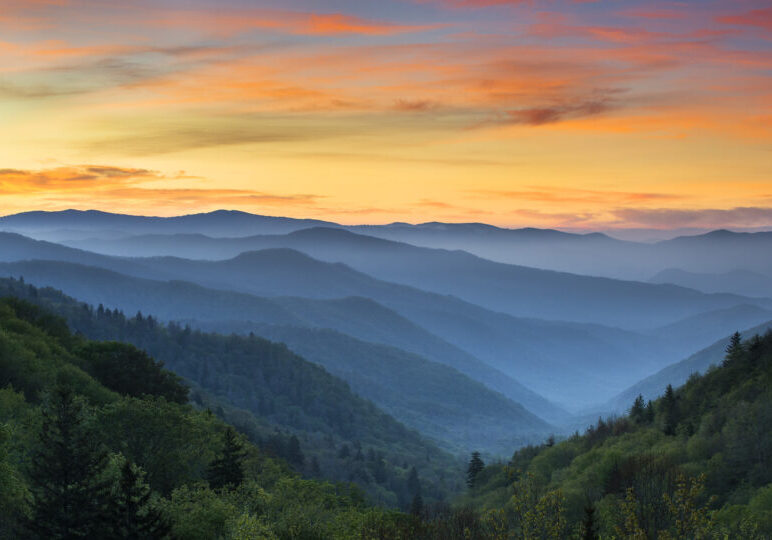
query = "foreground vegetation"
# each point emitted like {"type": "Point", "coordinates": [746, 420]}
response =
{"type": "Point", "coordinates": [98, 440]}
{"type": "Point", "coordinates": [696, 463]}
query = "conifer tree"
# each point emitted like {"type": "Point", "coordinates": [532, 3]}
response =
{"type": "Point", "coordinates": [227, 470]}
{"type": "Point", "coordinates": [476, 465]}
{"type": "Point", "coordinates": [71, 494]}
{"type": "Point", "coordinates": [638, 410]}
{"type": "Point", "coordinates": [413, 483]}
{"type": "Point", "coordinates": [669, 411]}
{"type": "Point", "coordinates": [417, 505]}
{"type": "Point", "coordinates": [733, 349]}
{"type": "Point", "coordinates": [132, 515]}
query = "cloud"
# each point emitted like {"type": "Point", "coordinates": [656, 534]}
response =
{"type": "Point", "coordinates": [668, 218]}
{"type": "Point", "coordinates": [758, 18]}
{"type": "Point", "coordinates": [538, 116]}
{"type": "Point", "coordinates": [228, 22]}
{"type": "Point", "coordinates": [567, 195]}
{"type": "Point", "coordinates": [72, 178]}
{"type": "Point", "coordinates": [104, 185]}
{"type": "Point", "coordinates": [416, 105]}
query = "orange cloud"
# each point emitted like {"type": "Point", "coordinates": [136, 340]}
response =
{"type": "Point", "coordinates": [291, 22]}
{"type": "Point", "coordinates": [759, 18]}
{"type": "Point", "coordinates": [82, 177]}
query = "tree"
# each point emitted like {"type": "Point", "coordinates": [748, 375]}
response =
{"type": "Point", "coordinates": [669, 411]}
{"type": "Point", "coordinates": [733, 349]}
{"type": "Point", "coordinates": [638, 410]}
{"type": "Point", "coordinates": [417, 505]}
{"type": "Point", "coordinates": [476, 466]}
{"type": "Point", "coordinates": [227, 470]}
{"type": "Point", "coordinates": [589, 525]}
{"type": "Point", "coordinates": [71, 492]}
{"type": "Point", "coordinates": [132, 515]}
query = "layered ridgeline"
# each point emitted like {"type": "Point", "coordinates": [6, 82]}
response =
{"type": "Point", "coordinates": [454, 410]}
{"type": "Point", "coordinates": [290, 407]}
{"type": "Point", "coordinates": [517, 290]}
{"type": "Point", "coordinates": [718, 253]}
{"type": "Point", "coordinates": [696, 463]}
{"type": "Point", "coordinates": [97, 441]}
{"type": "Point", "coordinates": [677, 374]}
{"type": "Point", "coordinates": [546, 356]}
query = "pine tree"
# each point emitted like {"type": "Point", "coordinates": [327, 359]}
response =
{"type": "Point", "coordinates": [638, 410]}
{"type": "Point", "coordinates": [476, 465]}
{"type": "Point", "coordinates": [227, 470]}
{"type": "Point", "coordinates": [649, 413]}
{"type": "Point", "coordinates": [413, 483]}
{"type": "Point", "coordinates": [417, 505]}
{"type": "Point", "coordinates": [132, 515]}
{"type": "Point", "coordinates": [669, 411]}
{"type": "Point", "coordinates": [734, 348]}
{"type": "Point", "coordinates": [70, 492]}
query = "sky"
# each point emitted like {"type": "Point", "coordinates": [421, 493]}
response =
{"type": "Point", "coordinates": [547, 113]}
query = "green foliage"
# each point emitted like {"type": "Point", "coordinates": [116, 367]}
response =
{"type": "Point", "coordinates": [697, 463]}
{"type": "Point", "coordinates": [473, 470]}
{"type": "Point", "coordinates": [131, 372]}
{"type": "Point", "coordinates": [133, 514]}
{"type": "Point", "coordinates": [292, 409]}
{"type": "Point", "coordinates": [71, 493]}
{"type": "Point", "coordinates": [227, 468]}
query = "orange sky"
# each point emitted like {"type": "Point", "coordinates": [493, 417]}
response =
{"type": "Point", "coordinates": [553, 113]}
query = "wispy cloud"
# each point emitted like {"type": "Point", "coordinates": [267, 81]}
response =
{"type": "Point", "coordinates": [669, 218]}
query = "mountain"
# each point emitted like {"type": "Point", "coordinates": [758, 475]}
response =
{"type": "Point", "coordinates": [678, 373]}
{"type": "Point", "coordinates": [523, 348]}
{"type": "Point", "coordinates": [58, 226]}
{"type": "Point", "coordinates": [103, 424]}
{"type": "Point", "coordinates": [374, 372]}
{"type": "Point", "coordinates": [595, 254]}
{"type": "Point", "coordinates": [682, 335]}
{"type": "Point", "coordinates": [742, 282]}
{"type": "Point", "coordinates": [515, 290]}
{"type": "Point", "coordinates": [269, 392]}
{"type": "Point", "coordinates": [693, 464]}
{"type": "Point", "coordinates": [438, 327]}
{"type": "Point", "coordinates": [432, 398]}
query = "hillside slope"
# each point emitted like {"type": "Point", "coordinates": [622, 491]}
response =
{"type": "Point", "coordinates": [695, 463]}
{"type": "Point", "coordinates": [440, 401]}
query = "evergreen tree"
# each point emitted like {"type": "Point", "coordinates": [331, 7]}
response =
{"type": "Point", "coordinates": [589, 525]}
{"type": "Point", "coordinates": [476, 465]}
{"type": "Point", "coordinates": [70, 492]}
{"type": "Point", "coordinates": [734, 348]}
{"type": "Point", "coordinates": [413, 483]}
{"type": "Point", "coordinates": [669, 411]}
{"type": "Point", "coordinates": [132, 515]}
{"type": "Point", "coordinates": [638, 410]}
{"type": "Point", "coordinates": [227, 470]}
{"type": "Point", "coordinates": [649, 415]}
{"type": "Point", "coordinates": [417, 505]}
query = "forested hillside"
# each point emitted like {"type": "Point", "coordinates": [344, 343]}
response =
{"type": "Point", "coordinates": [99, 445]}
{"type": "Point", "coordinates": [696, 463]}
{"type": "Point", "coordinates": [292, 408]}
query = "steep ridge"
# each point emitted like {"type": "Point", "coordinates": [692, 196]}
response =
{"type": "Point", "coordinates": [516, 290]}
{"type": "Point", "coordinates": [461, 398]}
{"type": "Point", "coordinates": [678, 373]}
